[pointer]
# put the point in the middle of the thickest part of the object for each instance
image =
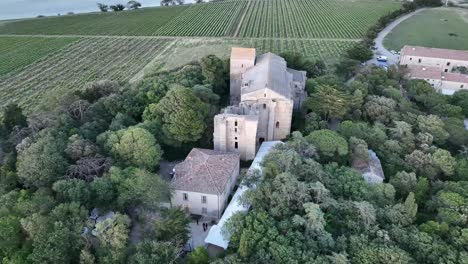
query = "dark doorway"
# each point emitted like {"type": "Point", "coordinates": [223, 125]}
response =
{"type": "Point", "coordinates": [260, 141]}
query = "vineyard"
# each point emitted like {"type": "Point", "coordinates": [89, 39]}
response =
{"type": "Point", "coordinates": [313, 19]}
{"type": "Point", "coordinates": [257, 18]}
{"type": "Point", "coordinates": [187, 50]}
{"type": "Point", "coordinates": [83, 61]}
{"type": "Point", "coordinates": [212, 19]}
{"type": "Point", "coordinates": [139, 22]}
{"type": "Point", "coordinates": [18, 52]}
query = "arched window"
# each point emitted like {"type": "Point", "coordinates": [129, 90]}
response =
{"type": "Point", "coordinates": [236, 145]}
{"type": "Point", "coordinates": [277, 124]}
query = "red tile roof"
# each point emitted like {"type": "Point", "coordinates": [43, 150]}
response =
{"type": "Point", "coordinates": [424, 72]}
{"type": "Point", "coordinates": [435, 53]}
{"type": "Point", "coordinates": [205, 171]}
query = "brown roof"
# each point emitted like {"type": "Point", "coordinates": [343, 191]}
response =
{"type": "Point", "coordinates": [243, 53]}
{"type": "Point", "coordinates": [424, 72]}
{"type": "Point", "coordinates": [205, 171]}
{"type": "Point", "coordinates": [461, 55]}
{"type": "Point", "coordinates": [456, 77]}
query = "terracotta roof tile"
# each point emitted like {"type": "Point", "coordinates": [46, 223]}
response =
{"type": "Point", "coordinates": [243, 53]}
{"type": "Point", "coordinates": [205, 171]}
{"type": "Point", "coordinates": [435, 53]}
{"type": "Point", "coordinates": [424, 72]}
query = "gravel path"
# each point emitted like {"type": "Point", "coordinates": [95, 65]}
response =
{"type": "Point", "coordinates": [381, 50]}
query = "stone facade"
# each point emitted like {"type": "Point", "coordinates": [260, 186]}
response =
{"type": "Point", "coordinates": [264, 94]}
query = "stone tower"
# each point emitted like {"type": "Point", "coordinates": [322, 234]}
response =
{"type": "Point", "coordinates": [264, 94]}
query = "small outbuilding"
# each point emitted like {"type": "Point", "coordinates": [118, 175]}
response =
{"type": "Point", "coordinates": [203, 181]}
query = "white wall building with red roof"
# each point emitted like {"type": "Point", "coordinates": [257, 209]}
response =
{"type": "Point", "coordinates": [439, 67]}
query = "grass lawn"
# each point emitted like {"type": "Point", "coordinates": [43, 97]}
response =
{"type": "Point", "coordinates": [436, 28]}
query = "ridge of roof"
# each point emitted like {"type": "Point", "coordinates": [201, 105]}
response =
{"type": "Point", "coordinates": [196, 173]}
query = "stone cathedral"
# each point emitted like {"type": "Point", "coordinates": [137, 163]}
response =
{"type": "Point", "coordinates": [263, 95]}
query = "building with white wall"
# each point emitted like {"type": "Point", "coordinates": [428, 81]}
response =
{"type": "Point", "coordinates": [203, 181]}
{"type": "Point", "coordinates": [218, 240]}
{"type": "Point", "coordinates": [439, 67]}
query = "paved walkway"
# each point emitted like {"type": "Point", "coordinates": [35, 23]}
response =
{"type": "Point", "coordinates": [197, 235]}
{"type": "Point", "coordinates": [381, 50]}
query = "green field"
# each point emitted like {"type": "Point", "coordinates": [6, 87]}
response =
{"type": "Point", "coordinates": [85, 60]}
{"type": "Point", "coordinates": [16, 52]}
{"type": "Point", "coordinates": [139, 22]}
{"type": "Point", "coordinates": [437, 28]}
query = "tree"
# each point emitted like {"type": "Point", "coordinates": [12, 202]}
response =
{"type": "Point", "coordinates": [112, 235]}
{"type": "Point", "coordinates": [73, 190]}
{"type": "Point", "coordinates": [103, 7]}
{"type": "Point", "coordinates": [182, 114]}
{"type": "Point", "coordinates": [78, 147]}
{"type": "Point", "coordinates": [433, 125]}
{"type": "Point", "coordinates": [214, 72]}
{"type": "Point", "coordinates": [346, 68]}
{"type": "Point", "coordinates": [133, 146]}
{"type": "Point", "coordinates": [56, 238]}
{"type": "Point", "coordinates": [403, 213]}
{"type": "Point", "coordinates": [360, 52]}
{"type": "Point", "coordinates": [42, 163]}
{"type": "Point", "coordinates": [421, 163]}
{"type": "Point", "coordinates": [117, 7]}
{"type": "Point", "coordinates": [404, 183]}
{"type": "Point", "coordinates": [444, 161]}
{"type": "Point", "coordinates": [328, 143]}
{"type": "Point", "coordinates": [10, 235]}
{"type": "Point", "coordinates": [136, 186]}
{"type": "Point", "coordinates": [198, 256]}
{"type": "Point", "coordinates": [13, 116]}
{"type": "Point", "coordinates": [173, 226]}
{"type": "Point", "coordinates": [381, 254]}
{"type": "Point", "coordinates": [133, 5]}
{"type": "Point", "coordinates": [460, 98]}
{"type": "Point", "coordinates": [296, 61]}
{"type": "Point", "coordinates": [328, 102]}
{"type": "Point", "coordinates": [380, 109]}
{"type": "Point", "coordinates": [359, 149]}
{"type": "Point", "coordinates": [156, 252]}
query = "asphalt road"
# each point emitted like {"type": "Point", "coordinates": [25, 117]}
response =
{"type": "Point", "coordinates": [381, 50]}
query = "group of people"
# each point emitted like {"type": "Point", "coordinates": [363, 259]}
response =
{"type": "Point", "coordinates": [205, 226]}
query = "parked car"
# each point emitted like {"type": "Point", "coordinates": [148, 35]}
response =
{"type": "Point", "coordinates": [382, 58]}
{"type": "Point", "coordinates": [393, 52]}
{"type": "Point", "coordinates": [374, 48]}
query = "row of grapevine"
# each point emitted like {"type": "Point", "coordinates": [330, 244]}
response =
{"type": "Point", "coordinates": [327, 50]}
{"type": "Point", "coordinates": [17, 52]}
{"type": "Point", "coordinates": [144, 22]}
{"type": "Point", "coordinates": [209, 19]}
{"type": "Point", "coordinates": [313, 19]}
{"type": "Point", "coordinates": [86, 60]}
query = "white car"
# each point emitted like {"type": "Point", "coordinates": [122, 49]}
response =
{"type": "Point", "coordinates": [382, 58]}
